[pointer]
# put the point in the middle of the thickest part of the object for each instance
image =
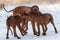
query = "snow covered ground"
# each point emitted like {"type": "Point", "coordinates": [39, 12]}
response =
{"type": "Point", "coordinates": [54, 9]}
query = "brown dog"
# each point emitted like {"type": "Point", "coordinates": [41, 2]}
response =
{"type": "Point", "coordinates": [13, 21]}
{"type": "Point", "coordinates": [41, 19]}
{"type": "Point", "coordinates": [20, 10]}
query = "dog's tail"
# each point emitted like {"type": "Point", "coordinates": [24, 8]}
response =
{"type": "Point", "coordinates": [5, 9]}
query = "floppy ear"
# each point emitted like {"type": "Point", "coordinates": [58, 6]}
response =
{"type": "Point", "coordinates": [32, 8]}
{"type": "Point", "coordinates": [23, 12]}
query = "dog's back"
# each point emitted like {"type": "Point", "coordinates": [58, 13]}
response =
{"type": "Point", "coordinates": [13, 20]}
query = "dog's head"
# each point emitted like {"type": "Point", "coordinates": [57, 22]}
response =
{"type": "Point", "coordinates": [35, 9]}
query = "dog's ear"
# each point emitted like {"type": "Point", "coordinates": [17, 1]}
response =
{"type": "Point", "coordinates": [23, 12]}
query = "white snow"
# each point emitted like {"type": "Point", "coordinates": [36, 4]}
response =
{"type": "Point", "coordinates": [54, 9]}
